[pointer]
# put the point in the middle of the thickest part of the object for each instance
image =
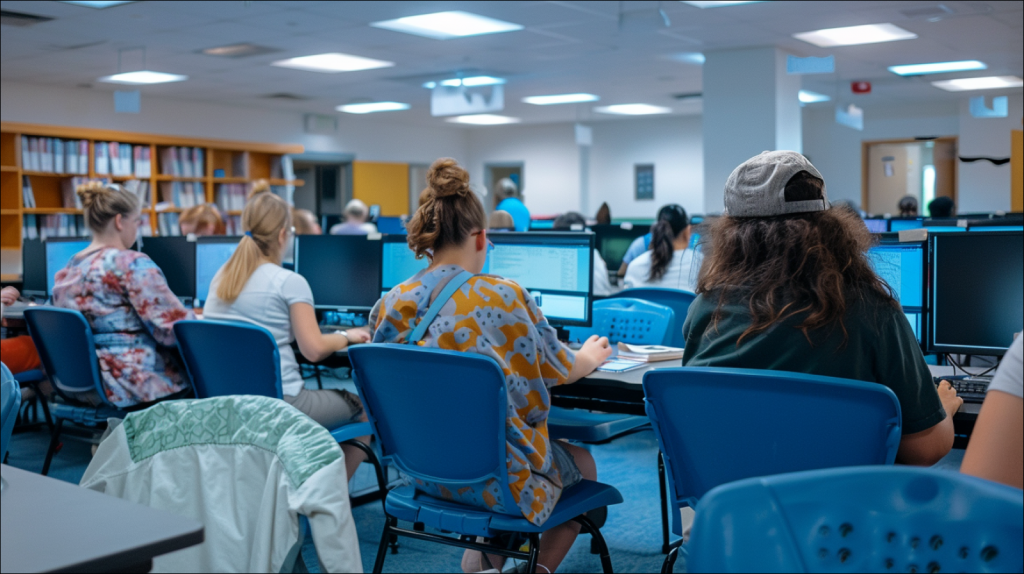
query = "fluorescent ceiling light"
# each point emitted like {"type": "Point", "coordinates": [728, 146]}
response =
{"type": "Point", "coordinates": [143, 77]}
{"type": "Point", "coordinates": [470, 82]}
{"type": "Point", "coordinates": [484, 120]}
{"type": "Point", "coordinates": [372, 107]}
{"type": "Point", "coordinates": [99, 5]}
{"type": "Point", "coordinates": [809, 97]}
{"type": "Point", "coordinates": [239, 50]}
{"type": "Point", "coordinates": [560, 99]}
{"type": "Point", "coordinates": [633, 109]}
{"type": "Point", "coordinates": [986, 83]}
{"type": "Point", "coordinates": [853, 35]}
{"type": "Point", "coordinates": [719, 4]}
{"type": "Point", "coordinates": [447, 25]}
{"type": "Point", "coordinates": [332, 63]}
{"type": "Point", "coordinates": [689, 58]}
{"type": "Point", "coordinates": [937, 68]}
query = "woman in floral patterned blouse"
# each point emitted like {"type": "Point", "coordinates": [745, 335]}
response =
{"type": "Point", "coordinates": [497, 318]}
{"type": "Point", "coordinates": [125, 298]}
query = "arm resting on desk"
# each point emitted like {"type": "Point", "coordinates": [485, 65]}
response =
{"type": "Point", "coordinates": [314, 345]}
{"type": "Point", "coordinates": [997, 443]}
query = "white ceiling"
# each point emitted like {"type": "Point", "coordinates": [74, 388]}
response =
{"type": "Point", "coordinates": [565, 47]}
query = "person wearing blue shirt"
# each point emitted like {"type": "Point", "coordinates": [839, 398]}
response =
{"type": "Point", "coordinates": [512, 202]}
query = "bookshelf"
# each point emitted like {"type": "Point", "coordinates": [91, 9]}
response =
{"type": "Point", "coordinates": [232, 162]}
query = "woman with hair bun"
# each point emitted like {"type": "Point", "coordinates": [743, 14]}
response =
{"type": "Point", "coordinates": [450, 229]}
{"type": "Point", "coordinates": [669, 261]}
{"type": "Point", "coordinates": [127, 302]}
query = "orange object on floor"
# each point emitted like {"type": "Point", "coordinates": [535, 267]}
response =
{"type": "Point", "coordinates": [19, 354]}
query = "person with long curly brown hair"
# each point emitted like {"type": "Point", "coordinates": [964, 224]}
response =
{"type": "Point", "coordinates": [786, 285]}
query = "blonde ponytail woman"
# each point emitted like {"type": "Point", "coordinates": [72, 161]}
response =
{"type": "Point", "coordinates": [125, 298]}
{"type": "Point", "coordinates": [254, 288]}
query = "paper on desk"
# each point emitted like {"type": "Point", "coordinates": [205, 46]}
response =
{"type": "Point", "coordinates": [620, 366]}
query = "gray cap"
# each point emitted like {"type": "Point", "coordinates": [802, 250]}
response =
{"type": "Point", "coordinates": [757, 188]}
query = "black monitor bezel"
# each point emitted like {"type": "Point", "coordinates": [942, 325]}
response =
{"type": "Point", "coordinates": [375, 240]}
{"type": "Point", "coordinates": [209, 239]}
{"type": "Point", "coordinates": [36, 252]}
{"type": "Point", "coordinates": [190, 297]}
{"type": "Point", "coordinates": [893, 239]}
{"type": "Point", "coordinates": [608, 230]}
{"type": "Point", "coordinates": [46, 262]}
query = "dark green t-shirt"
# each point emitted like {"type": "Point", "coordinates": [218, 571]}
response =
{"type": "Point", "coordinates": [881, 349]}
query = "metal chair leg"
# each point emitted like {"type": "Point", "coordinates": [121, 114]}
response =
{"type": "Point", "coordinates": [54, 441]}
{"type": "Point", "coordinates": [531, 564]}
{"type": "Point", "coordinates": [382, 481]}
{"type": "Point", "coordinates": [319, 381]}
{"type": "Point", "coordinates": [598, 540]}
{"type": "Point", "coordinates": [670, 561]}
{"type": "Point", "coordinates": [382, 550]}
{"type": "Point", "coordinates": [663, 488]}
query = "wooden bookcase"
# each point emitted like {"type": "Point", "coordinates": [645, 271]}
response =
{"type": "Point", "coordinates": [241, 162]}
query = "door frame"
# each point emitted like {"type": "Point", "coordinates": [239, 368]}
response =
{"type": "Point", "coordinates": [489, 178]}
{"type": "Point", "coordinates": [865, 144]}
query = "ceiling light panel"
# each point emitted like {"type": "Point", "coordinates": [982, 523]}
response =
{"type": "Point", "coordinates": [855, 35]}
{"type": "Point", "coordinates": [809, 97]}
{"type": "Point", "coordinates": [99, 5]}
{"type": "Point", "coordinates": [985, 83]}
{"type": "Point", "coordinates": [239, 50]}
{"type": "Point", "coordinates": [332, 63]}
{"type": "Point", "coordinates": [484, 120]}
{"type": "Point", "coordinates": [560, 99]}
{"type": "Point", "coordinates": [372, 107]}
{"type": "Point", "coordinates": [633, 110]}
{"type": "Point", "coordinates": [937, 68]}
{"type": "Point", "coordinates": [447, 25]}
{"type": "Point", "coordinates": [720, 4]}
{"type": "Point", "coordinates": [142, 77]}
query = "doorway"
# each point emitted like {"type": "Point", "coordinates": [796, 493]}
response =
{"type": "Point", "coordinates": [891, 170]}
{"type": "Point", "coordinates": [327, 185]}
{"type": "Point", "coordinates": [495, 172]}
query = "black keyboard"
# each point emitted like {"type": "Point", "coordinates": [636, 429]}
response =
{"type": "Point", "coordinates": [971, 390]}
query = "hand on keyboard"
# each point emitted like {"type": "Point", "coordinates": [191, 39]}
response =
{"type": "Point", "coordinates": [950, 401]}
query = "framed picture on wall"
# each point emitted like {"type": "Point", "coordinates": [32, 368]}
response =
{"type": "Point", "coordinates": [644, 178]}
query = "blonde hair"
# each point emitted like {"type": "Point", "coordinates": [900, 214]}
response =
{"type": "Point", "coordinates": [449, 210]}
{"type": "Point", "coordinates": [105, 201]}
{"type": "Point", "coordinates": [264, 217]}
{"type": "Point", "coordinates": [501, 221]}
{"type": "Point", "coordinates": [205, 216]}
{"type": "Point", "coordinates": [304, 222]}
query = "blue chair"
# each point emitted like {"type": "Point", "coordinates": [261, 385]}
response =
{"type": "Point", "coordinates": [32, 379]}
{"type": "Point", "coordinates": [867, 519]}
{"type": "Point", "coordinates": [440, 417]}
{"type": "Point", "coordinates": [676, 299]}
{"type": "Point", "coordinates": [716, 426]}
{"type": "Point", "coordinates": [64, 340]}
{"type": "Point", "coordinates": [226, 359]}
{"type": "Point", "coordinates": [10, 401]}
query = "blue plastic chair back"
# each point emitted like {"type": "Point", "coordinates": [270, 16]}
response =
{"type": "Point", "coordinates": [225, 358]}
{"type": "Point", "coordinates": [678, 300]}
{"type": "Point", "coordinates": [873, 519]}
{"type": "Point", "coordinates": [716, 426]}
{"type": "Point", "coordinates": [439, 415]}
{"type": "Point", "coordinates": [10, 402]}
{"type": "Point", "coordinates": [66, 348]}
{"type": "Point", "coordinates": [632, 321]}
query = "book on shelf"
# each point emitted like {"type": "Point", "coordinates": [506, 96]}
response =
{"type": "Point", "coordinates": [231, 196]}
{"type": "Point", "coordinates": [53, 155]}
{"type": "Point", "coordinates": [182, 162]}
{"type": "Point", "coordinates": [240, 164]}
{"type": "Point", "coordinates": [140, 188]}
{"type": "Point", "coordinates": [28, 197]}
{"type": "Point", "coordinates": [102, 159]}
{"type": "Point", "coordinates": [143, 163]}
{"type": "Point", "coordinates": [182, 194]}
{"type": "Point", "coordinates": [282, 168]}
{"type": "Point", "coordinates": [59, 225]}
{"type": "Point", "coordinates": [58, 155]}
{"type": "Point", "coordinates": [46, 155]}
{"type": "Point", "coordinates": [69, 190]}
{"type": "Point", "coordinates": [168, 225]}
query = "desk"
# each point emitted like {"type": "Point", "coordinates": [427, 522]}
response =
{"type": "Point", "coordinates": [50, 525]}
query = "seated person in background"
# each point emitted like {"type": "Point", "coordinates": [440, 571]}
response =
{"type": "Point", "coordinates": [604, 215]}
{"type": "Point", "coordinates": [127, 302]}
{"type": "Point", "coordinates": [253, 288]}
{"type": "Point", "coordinates": [908, 206]}
{"type": "Point", "coordinates": [18, 353]}
{"type": "Point", "coordinates": [202, 220]}
{"type": "Point", "coordinates": [787, 286]}
{"type": "Point", "coordinates": [995, 451]}
{"type": "Point", "coordinates": [357, 216]}
{"type": "Point", "coordinates": [669, 261]}
{"type": "Point", "coordinates": [573, 221]}
{"type": "Point", "coordinates": [512, 201]}
{"type": "Point", "coordinates": [305, 223]}
{"type": "Point", "coordinates": [941, 207]}
{"type": "Point", "coordinates": [640, 245]}
{"type": "Point", "coordinates": [501, 221]}
{"type": "Point", "coordinates": [450, 229]}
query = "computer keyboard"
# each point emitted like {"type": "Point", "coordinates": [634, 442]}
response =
{"type": "Point", "coordinates": [970, 389]}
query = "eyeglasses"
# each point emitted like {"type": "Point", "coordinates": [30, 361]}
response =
{"type": "Point", "coordinates": [490, 245]}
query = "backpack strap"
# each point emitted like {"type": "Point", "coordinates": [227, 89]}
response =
{"type": "Point", "coordinates": [442, 298]}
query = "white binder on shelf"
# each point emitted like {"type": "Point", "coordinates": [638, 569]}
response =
{"type": "Point", "coordinates": [102, 161]}
{"type": "Point", "coordinates": [26, 161]}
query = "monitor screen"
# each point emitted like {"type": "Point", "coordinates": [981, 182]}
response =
{"type": "Point", "coordinates": [33, 268]}
{"type": "Point", "coordinates": [398, 262]}
{"type": "Point", "coordinates": [977, 281]}
{"type": "Point", "coordinates": [877, 225]}
{"type": "Point", "coordinates": [391, 225]}
{"type": "Point", "coordinates": [342, 270]}
{"type": "Point", "coordinates": [58, 253]}
{"type": "Point", "coordinates": [176, 257]}
{"type": "Point", "coordinates": [997, 228]}
{"type": "Point", "coordinates": [612, 241]}
{"type": "Point", "coordinates": [211, 254]}
{"type": "Point", "coordinates": [542, 224]}
{"type": "Point", "coordinates": [902, 266]}
{"type": "Point", "coordinates": [556, 268]}
{"type": "Point", "coordinates": [905, 224]}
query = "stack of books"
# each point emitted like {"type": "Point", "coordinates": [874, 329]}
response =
{"type": "Point", "coordinates": [182, 162]}
{"type": "Point", "coordinates": [231, 196]}
{"type": "Point", "coordinates": [52, 155]}
{"type": "Point", "coordinates": [182, 195]}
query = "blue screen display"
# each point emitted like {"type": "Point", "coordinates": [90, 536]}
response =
{"type": "Point", "coordinates": [905, 224]}
{"type": "Point", "coordinates": [210, 257]}
{"type": "Point", "coordinates": [58, 254]}
{"type": "Point", "coordinates": [399, 263]}
{"type": "Point", "coordinates": [557, 274]}
{"type": "Point", "coordinates": [877, 225]}
{"type": "Point", "coordinates": [902, 267]}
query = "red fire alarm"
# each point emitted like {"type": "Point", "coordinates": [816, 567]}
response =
{"type": "Point", "coordinates": [860, 87]}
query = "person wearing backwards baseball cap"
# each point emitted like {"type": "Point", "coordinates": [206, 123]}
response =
{"type": "Point", "coordinates": [786, 285]}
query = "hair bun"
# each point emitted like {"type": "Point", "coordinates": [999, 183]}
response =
{"type": "Point", "coordinates": [259, 186]}
{"type": "Point", "coordinates": [90, 191]}
{"type": "Point", "coordinates": [447, 178]}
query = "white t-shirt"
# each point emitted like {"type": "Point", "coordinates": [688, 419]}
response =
{"type": "Point", "coordinates": [266, 301]}
{"type": "Point", "coordinates": [602, 286]}
{"type": "Point", "coordinates": [677, 275]}
{"type": "Point", "coordinates": [1010, 376]}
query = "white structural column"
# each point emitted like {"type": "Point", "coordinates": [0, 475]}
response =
{"type": "Point", "coordinates": [750, 105]}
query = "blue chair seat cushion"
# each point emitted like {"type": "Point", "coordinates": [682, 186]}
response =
{"type": "Point", "coordinates": [585, 426]}
{"type": "Point", "coordinates": [408, 504]}
{"type": "Point", "coordinates": [349, 432]}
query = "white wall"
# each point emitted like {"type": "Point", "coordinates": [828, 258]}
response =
{"type": "Point", "coordinates": [984, 186]}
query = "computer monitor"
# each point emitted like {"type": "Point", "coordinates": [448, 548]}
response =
{"type": "Point", "coordinates": [905, 224]}
{"type": "Point", "coordinates": [945, 225]}
{"type": "Point", "coordinates": [542, 224]}
{"type": "Point", "coordinates": [59, 251]}
{"type": "Point", "coordinates": [33, 268]}
{"type": "Point", "coordinates": [391, 225]}
{"type": "Point", "coordinates": [342, 270]}
{"type": "Point", "coordinates": [398, 262]}
{"type": "Point", "coordinates": [613, 241]}
{"type": "Point", "coordinates": [556, 268]}
{"type": "Point", "coordinates": [211, 254]}
{"type": "Point", "coordinates": [877, 225]}
{"type": "Point", "coordinates": [904, 266]}
{"type": "Point", "coordinates": [975, 295]}
{"type": "Point", "coordinates": [176, 257]}
{"type": "Point", "coordinates": [1008, 223]}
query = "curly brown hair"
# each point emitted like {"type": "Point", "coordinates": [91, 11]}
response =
{"type": "Point", "coordinates": [805, 263]}
{"type": "Point", "coordinates": [449, 211]}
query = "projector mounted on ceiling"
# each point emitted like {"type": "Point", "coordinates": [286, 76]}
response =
{"type": "Point", "coordinates": [463, 100]}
